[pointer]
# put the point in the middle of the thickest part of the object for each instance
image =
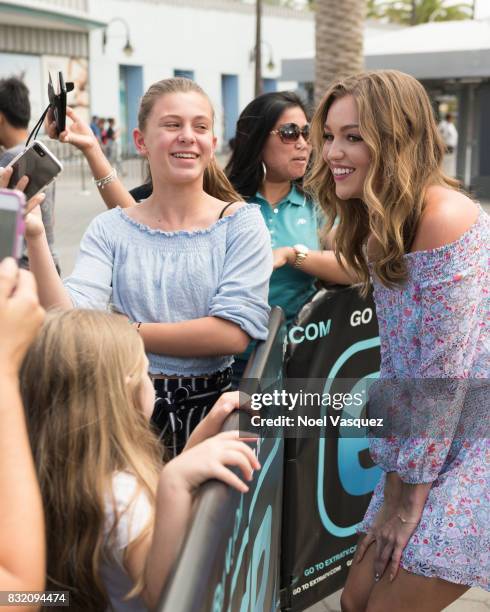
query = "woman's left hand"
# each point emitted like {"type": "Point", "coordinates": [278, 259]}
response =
{"type": "Point", "coordinates": [283, 256]}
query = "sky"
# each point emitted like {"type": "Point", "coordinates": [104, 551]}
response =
{"type": "Point", "coordinates": [482, 8]}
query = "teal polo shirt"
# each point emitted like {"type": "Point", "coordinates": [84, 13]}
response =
{"type": "Point", "coordinates": [293, 220]}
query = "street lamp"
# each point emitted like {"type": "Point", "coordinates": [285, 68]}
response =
{"type": "Point", "coordinates": [270, 64]}
{"type": "Point", "coordinates": [128, 48]}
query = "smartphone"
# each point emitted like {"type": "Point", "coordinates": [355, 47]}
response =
{"type": "Point", "coordinates": [12, 205]}
{"type": "Point", "coordinates": [39, 164]}
{"type": "Point", "coordinates": [57, 100]}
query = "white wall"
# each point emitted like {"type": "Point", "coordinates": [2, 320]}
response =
{"type": "Point", "coordinates": [211, 41]}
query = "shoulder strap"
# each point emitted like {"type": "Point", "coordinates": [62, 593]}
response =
{"type": "Point", "coordinates": [223, 211]}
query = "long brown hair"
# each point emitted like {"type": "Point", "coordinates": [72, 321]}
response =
{"type": "Point", "coordinates": [80, 383]}
{"type": "Point", "coordinates": [396, 122]}
{"type": "Point", "coordinates": [215, 182]}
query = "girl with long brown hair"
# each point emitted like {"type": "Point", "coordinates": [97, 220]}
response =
{"type": "Point", "coordinates": [424, 244]}
{"type": "Point", "coordinates": [115, 515]}
{"type": "Point", "coordinates": [190, 265]}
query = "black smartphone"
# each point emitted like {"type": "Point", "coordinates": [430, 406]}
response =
{"type": "Point", "coordinates": [39, 164]}
{"type": "Point", "coordinates": [57, 100]}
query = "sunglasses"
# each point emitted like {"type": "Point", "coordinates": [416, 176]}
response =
{"type": "Point", "coordinates": [290, 132]}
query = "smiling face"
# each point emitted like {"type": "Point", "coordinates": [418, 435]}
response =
{"type": "Point", "coordinates": [286, 161]}
{"type": "Point", "coordinates": [344, 150]}
{"type": "Point", "coordinates": [178, 137]}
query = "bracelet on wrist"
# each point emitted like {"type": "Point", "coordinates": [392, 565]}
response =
{"type": "Point", "coordinates": [405, 521]}
{"type": "Point", "coordinates": [105, 180]}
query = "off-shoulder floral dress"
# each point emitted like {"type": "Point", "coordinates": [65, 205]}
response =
{"type": "Point", "coordinates": [437, 326]}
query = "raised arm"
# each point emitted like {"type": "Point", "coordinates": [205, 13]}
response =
{"type": "Point", "coordinates": [177, 486]}
{"type": "Point", "coordinates": [50, 288]}
{"type": "Point", "coordinates": [22, 546]}
{"type": "Point", "coordinates": [79, 134]}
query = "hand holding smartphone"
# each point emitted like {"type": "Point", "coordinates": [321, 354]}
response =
{"type": "Point", "coordinates": [12, 205]}
{"type": "Point", "coordinates": [38, 164]}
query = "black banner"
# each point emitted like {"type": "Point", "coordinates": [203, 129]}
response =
{"type": "Point", "coordinates": [328, 480]}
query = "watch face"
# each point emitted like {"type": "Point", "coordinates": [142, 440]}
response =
{"type": "Point", "coordinates": [301, 248]}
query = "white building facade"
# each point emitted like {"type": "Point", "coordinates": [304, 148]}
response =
{"type": "Point", "coordinates": [211, 41]}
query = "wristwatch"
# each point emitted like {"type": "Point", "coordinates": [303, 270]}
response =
{"type": "Point", "coordinates": [301, 254]}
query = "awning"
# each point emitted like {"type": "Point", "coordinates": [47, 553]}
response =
{"type": "Point", "coordinates": [32, 13]}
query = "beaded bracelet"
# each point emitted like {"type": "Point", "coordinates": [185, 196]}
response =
{"type": "Point", "coordinates": [102, 182]}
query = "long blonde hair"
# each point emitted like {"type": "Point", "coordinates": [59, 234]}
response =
{"type": "Point", "coordinates": [397, 124]}
{"type": "Point", "coordinates": [80, 383]}
{"type": "Point", "coordinates": [215, 182]}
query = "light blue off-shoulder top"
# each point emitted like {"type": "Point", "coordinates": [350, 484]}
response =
{"type": "Point", "coordinates": [168, 277]}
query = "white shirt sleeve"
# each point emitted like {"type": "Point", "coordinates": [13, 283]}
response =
{"type": "Point", "coordinates": [133, 507]}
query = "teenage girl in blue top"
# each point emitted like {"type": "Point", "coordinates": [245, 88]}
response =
{"type": "Point", "coordinates": [188, 267]}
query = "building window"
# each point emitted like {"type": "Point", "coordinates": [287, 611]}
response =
{"type": "Point", "coordinates": [186, 74]}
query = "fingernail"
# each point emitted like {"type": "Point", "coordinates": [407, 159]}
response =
{"type": "Point", "coordinates": [8, 262]}
{"type": "Point", "coordinates": [391, 577]}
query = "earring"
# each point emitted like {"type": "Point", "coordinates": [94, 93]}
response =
{"type": "Point", "coordinates": [264, 172]}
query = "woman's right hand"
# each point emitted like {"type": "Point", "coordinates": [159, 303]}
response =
{"type": "Point", "coordinates": [209, 459]}
{"type": "Point", "coordinates": [21, 315]}
{"type": "Point", "coordinates": [391, 499]}
{"type": "Point", "coordinates": [78, 133]}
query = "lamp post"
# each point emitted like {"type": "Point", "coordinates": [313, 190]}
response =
{"type": "Point", "coordinates": [270, 64]}
{"type": "Point", "coordinates": [128, 48]}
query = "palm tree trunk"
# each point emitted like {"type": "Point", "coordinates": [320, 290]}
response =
{"type": "Point", "coordinates": [339, 33]}
{"type": "Point", "coordinates": [413, 14]}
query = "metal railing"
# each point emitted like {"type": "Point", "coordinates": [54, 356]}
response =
{"type": "Point", "coordinates": [214, 566]}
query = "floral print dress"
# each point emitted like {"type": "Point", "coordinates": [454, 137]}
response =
{"type": "Point", "coordinates": [437, 327]}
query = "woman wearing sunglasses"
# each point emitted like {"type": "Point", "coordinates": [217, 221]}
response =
{"type": "Point", "coordinates": [271, 151]}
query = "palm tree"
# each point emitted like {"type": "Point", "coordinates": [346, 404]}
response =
{"type": "Point", "coordinates": [339, 32]}
{"type": "Point", "coordinates": [414, 12]}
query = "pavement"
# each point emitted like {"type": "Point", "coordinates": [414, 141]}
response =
{"type": "Point", "coordinates": [77, 203]}
{"type": "Point", "coordinates": [474, 600]}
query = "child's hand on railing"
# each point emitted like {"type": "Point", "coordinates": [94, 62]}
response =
{"type": "Point", "coordinates": [213, 422]}
{"type": "Point", "coordinates": [211, 459]}
{"type": "Point", "coordinates": [78, 133]}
